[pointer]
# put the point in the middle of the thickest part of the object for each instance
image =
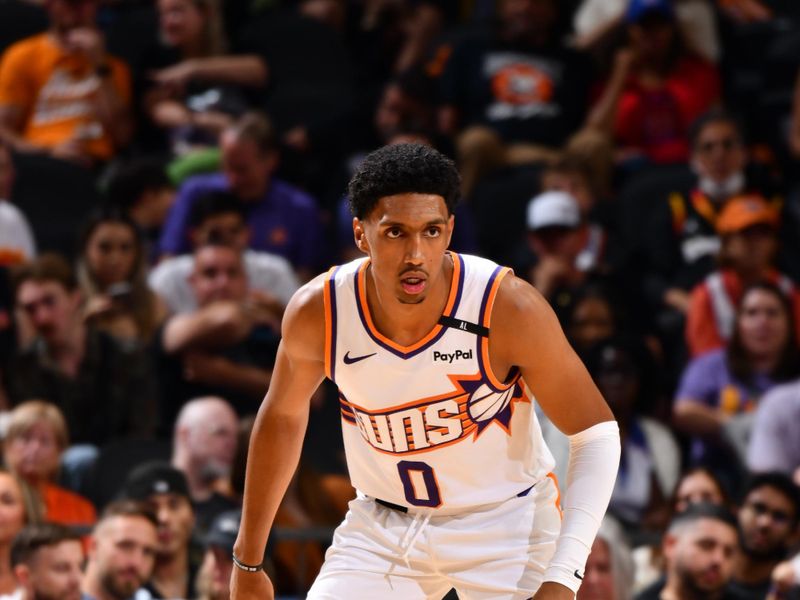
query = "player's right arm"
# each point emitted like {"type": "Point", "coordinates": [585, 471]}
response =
{"type": "Point", "coordinates": [277, 437]}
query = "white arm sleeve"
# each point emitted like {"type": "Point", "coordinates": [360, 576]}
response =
{"type": "Point", "coordinates": [593, 464]}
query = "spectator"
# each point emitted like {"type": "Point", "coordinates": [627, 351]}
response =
{"type": "Point", "coordinates": [48, 562]}
{"type": "Point", "coordinates": [224, 348]}
{"type": "Point", "coordinates": [719, 389]}
{"type": "Point", "coordinates": [142, 190]}
{"type": "Point", "coordinates": [285, 220]}
{"type": "Point", "coordinates": [111, 273]}
{"type": "Point", "coordinates": [785, 579]}
{"type": "Point", "coordinates": [597, 20]}
{"type": "Point", "coordinates": [656, 89]}
{"type": "Point", "coordinates": [104, 389]}
{"type": "Point", "coordinates": [609, 570]}
{"type": "Point", "coordinates": [213, 579]}
{"type": "Point", "coordinates": [165, 488]}
{"type": "Point", "coordinates": [768, 521]}
{"type": "Point", "coordinates": [20, 507]}
{"type": "Point", "coordinates": [592, 316]}
{"type": "Point", "coordinates": [747, 226]}
{"type": "Point", "coordinates": [61, 93]}
{"type": "Point", "coordinates": [699, 485]}
{"type": "Point", "coordinates": [568, 251]}
{"type": "Point", "coordinates": [35, 440]}
{"type": "Point", "coordinates": [514, 93]}
{"type": "Point", "coordinates": [203, 449]}
{"type": "Point", "coordinates": [122, 551]}
{"type": "Point", "coordinates": [699, 547]}
{"type": "Point", "coordinates": [624, 371]}
{"type": "Point", "coordinates": [775, 442]}
{"type": "Point", "coordinates": [678, 239]}
{"type": "Point", "coordinates": [219, 217]}
{"type": "Point", "coordinates": [17, 244]}
{"type": "Point", "coordinates": [193, 87]}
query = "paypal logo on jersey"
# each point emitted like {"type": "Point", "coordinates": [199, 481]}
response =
{"type": "Point", "coordinates": [449, 357]}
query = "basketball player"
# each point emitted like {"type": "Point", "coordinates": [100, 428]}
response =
{"type": "Point", "coordinates": [438, 358]}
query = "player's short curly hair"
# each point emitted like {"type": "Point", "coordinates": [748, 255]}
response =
{"type": "Point", "coordinates": [403, 169]}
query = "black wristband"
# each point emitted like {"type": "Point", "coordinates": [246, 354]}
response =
{"type": "Point", "coordinates": [249, 568]}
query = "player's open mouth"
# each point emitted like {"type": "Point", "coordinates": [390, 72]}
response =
{"type": "Point", "coordinates": [412, 285]}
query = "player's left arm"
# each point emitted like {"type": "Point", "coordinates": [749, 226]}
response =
{"type": "Point", "coordinates": [525, 333]}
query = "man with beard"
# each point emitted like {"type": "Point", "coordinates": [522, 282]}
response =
{"type": "Point", "coordinates": [768, 520]}
{"type": "Point", "coordinates": [47, 560]}
{"type": "Point", "coordinates": [165, 489]}
{"type": "Point", "coordinates": [204, 445]}
{"type": "Point", "coordinates": [699, 548]}
{"type": "Point", "coordinates": [121, 551]}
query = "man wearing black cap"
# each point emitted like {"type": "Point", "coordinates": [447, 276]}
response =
{"type": "Point", "coordinates": [166, 489]}
{"type": "Point", "coordinates": [215, 572]}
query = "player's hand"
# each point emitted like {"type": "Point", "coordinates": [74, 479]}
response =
{"type": "Point", "coordinates": [554, 591]}
{"type": "Point", "coordinates": [251, 586]}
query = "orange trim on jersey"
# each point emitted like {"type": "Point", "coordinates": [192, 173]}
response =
{"type": "Point", "coordinates": [552, 476]}
{"type": "Point", "coordinates": [486, 319]}
{"type": "Point", "coordinates": [329, 317]}
{"type": "Point", "coordinates": [362, 300]}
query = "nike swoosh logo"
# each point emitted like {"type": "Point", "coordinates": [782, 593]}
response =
{"type": "Point", "coordinates": [578, 575]}
{"type": "Point", "coordinates": [349, 360]}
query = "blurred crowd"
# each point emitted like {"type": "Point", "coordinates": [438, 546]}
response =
{"type": "Point", "coordinates": [171, 171]}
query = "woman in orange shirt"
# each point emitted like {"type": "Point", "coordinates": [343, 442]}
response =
{"type": "Point", "coordinates": [36, 437]}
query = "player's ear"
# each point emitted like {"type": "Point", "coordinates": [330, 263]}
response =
{"type": "Point", "coordinates": [360, 235]}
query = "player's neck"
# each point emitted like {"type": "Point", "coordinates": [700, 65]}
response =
{"type": "Point", "coordinates": [407, 323]}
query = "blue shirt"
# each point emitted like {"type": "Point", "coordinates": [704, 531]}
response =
{"type": "Point", "coordinates": [285, 221]}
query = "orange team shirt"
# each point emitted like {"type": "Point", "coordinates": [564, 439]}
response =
{"type": "Point", "coordinates": [701, 325]}
{"type": "Point", "coordinates": [55, 91]}
{"type": "Point", "coordinates": [66, 507]}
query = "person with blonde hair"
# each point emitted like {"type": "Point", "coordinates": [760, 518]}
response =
{"type": "Point", "coordinates": [19, 507]}
{"type": "Point", "coordinates": [35, 439]}
{"type": "Point", "coordinates": [610, 568]}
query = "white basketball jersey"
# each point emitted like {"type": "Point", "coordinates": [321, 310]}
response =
{"type": "Point", "coordinates": [429, 425]}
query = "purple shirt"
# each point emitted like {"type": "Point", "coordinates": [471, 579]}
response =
{"type": "Point", "coordinates": [775, 444]}
{"type": "Point", "coordinates": [286, 221]}
{"type": "Point", "coordinates": [707, 380]}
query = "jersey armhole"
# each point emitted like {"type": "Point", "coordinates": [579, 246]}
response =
{"type": "Point", "coordinates": [487, 306]}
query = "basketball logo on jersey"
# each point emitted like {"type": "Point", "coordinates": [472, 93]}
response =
{"type": "Point", "coordinates": [437, 421]}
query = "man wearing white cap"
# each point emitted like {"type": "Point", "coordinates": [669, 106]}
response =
{"type": "Point", "coordinates": [566, 248]}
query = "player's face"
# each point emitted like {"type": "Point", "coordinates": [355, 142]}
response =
{"type": "Point", "coordinates": [763, 323]}
{"type": "Point", "coordinates": [124, 549]}
{"type": "Point", "coordinates": [111, 253]}
{"type": "Point", "coordinates": [766, 520]}
{"type": "Point", "coordinates": [175, 522]}
{"type": "Point", "coordinates": [701, 555]}
{"type": "Point", "coordinates": [406, 236]}
{"type": "Point", "coordinates": [598, 579]}
{"type": "Point", "coordinates": [56, 572]}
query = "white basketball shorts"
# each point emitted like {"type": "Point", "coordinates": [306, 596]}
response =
{"type": "Point", "coordinates": [494, 551]}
